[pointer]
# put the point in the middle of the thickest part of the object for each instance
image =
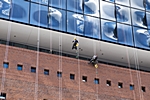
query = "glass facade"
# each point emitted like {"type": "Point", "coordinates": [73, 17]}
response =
{"type": "Point", "coordinates": [118, 21]}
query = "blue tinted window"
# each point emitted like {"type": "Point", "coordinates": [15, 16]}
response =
{"type": "Point", "coordinates": [5, 64]}
{"type": "Point", "coordinates": [20, 11]}
{"type": "Point", "coordinates": [91, 7]}
{"type": "Point", "coordinates": [72, 76]}
{"type": "Point", "coordinates": [5, 8]}
{"type": "Point", "coordinates": [148, 19]}
{"type": "Point", "coordinates": [46, 72]}
{"type": "Point", "coordinates": [33, 69]}
{"type": "Point", "coordinates": [19, 67]}
{"type": "Point", "coordinates": [39, 15]}
{"type": "Point", "coordinates": [109, 31]}
{"type": "Point", "coordinates": [75, 5]}
{"type": "Point", "coordinates": [123, 2]}
{"type": "Point", "coordinates": [147, 5]}
{"type": "Point", "coordinates": [96, 81]}
{"type": "Point", "coordinates": [59, 74]}
{"type": "Point", "coordinates": [75, 23]}
{"type": "Point", "coordinates": [137, 4]}
{"type": "Point", "coordinates": [56, 19]}
{"type": "Point", "coordinates": [122, 14]}
{"type": "Point", "coordinates": [92, 27]}
{"type": "Point", "coordinates": [131, 87]}
{"type": "Point", "coordinates": [142, 38]}
{"type": "Point", "coordinates": [107, 10]}
{"type": "Point", "coordinates": [139, 18]}
{"type": "Point", "coordinates": [41, 1]}
{"type": "Point", "coordinates": [124, 33]}
{"type": "Point", "coordinates": [58, 3]}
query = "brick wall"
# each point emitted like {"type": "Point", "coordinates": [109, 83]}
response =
{"type": "Point", "coordinates": [20, 85]}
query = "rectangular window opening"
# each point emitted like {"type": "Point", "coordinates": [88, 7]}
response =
{"type": "Point", "coordinates": [72, 76]}
{"type": "Point", "coordinates": [33, 69]}
{"type": "Point", "coordinates": [143, 89]}
{"type": "Point", "coordinates": [108, 83]}
{"type": "Point", "coordinates": [19, 67]}
{"type": "Point", "coordinates": [46, 72]}
{"type": "Point", "coordinates": [59, 74]}
{"type": "Point", "coordinates": [5, 64]}
{"type": "Point", "coordinates": [3, 96]}
{"type": "Point", "coordinates": [96, 81]}
{"type": "Point", "coordinates": [84, 78]}
{"type": "Point", "coordinates": [120, 85]}
{"type": "Point", "coordinates": [131, 87]}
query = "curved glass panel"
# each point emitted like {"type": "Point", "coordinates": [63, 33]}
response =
{"type": "Point", "coordinates": [148, 19]}
{"type": "Point", "coordinates": [91, 7]}
{"type": "Point", "coordinates": [20, 11]}
{"type": "Point", "coordinates": [109, 0]}
{"type": "Point", "coordinates": [122, 2]}
{"type": "Point", "coordinates": [147, 4]}
{"type": "Point", "coordinates": [75, 5]}
{"type": "Point", "coordinates": [138, 4]}
{"type": "Point", "coordinates": [123, 14]}
{"type": "Point", "coordinates": [139, 18]}
{"type": "Point", "coordinates": [92, 27]}
{"type": "Point", "coordinates": [57, 19]}
{"type": "Point", "coordinates": [41, 1]}
{"type": "Point", "coordinates": [58, 3]}
{"type": "Point", "coordinates": [109, 31]}
{"type": "Point", "coordinates": [5, 6]}
{"type": "Point", "coordinates": [141, 38]}
{"type": "Point", "coordinates": [38, 15]}
{"type": "Point", "coordinates": [124, 33]}
{"type": "Point", "coordinates": [75, 23]}
{"type": "Point", "coordinates": [107, 10]}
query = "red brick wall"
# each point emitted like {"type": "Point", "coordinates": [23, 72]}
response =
{"type": "Point", "coordinates": [20, 85]}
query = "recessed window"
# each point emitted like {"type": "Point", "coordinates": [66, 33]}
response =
{"type": "Point", "coordinates": [46, 72]}
{"type": "Point", "coordinates": [96, 81]}
{"type": "Point", "coordinates": [59, 74]}
{"type": "Point", "coordinates": [33, 69]}
{"type": "Point", "coordinates": [131, 87]}
{"type": "Point", "coordinates": [5, 64]}
{"type": "Point", "coordinates": [84, 78]}
{"type": "Point", "coordinates": [3, 96]}
{"type": "Point", "coordinates": [143, 89]}
{"type": "Point", "coordinates": [19, 67]}
{"type": "Point", "coordinates": [72, 76]}
{"type": "Point", "coordinates": [120, 85]}
{"type": "Point", "coordinates": [108, 83]}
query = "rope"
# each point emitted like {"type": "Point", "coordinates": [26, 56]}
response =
{"type": "Point", "coordinates": [37, 59]}
{"type": "Point", "coordinates": [6, 54]}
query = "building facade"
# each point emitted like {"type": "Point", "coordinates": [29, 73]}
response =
{"type": "Point", "coordinates": [37, 62]}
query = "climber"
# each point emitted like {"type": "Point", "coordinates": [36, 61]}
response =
{"type": "Point", "coordinates": [75, 44]}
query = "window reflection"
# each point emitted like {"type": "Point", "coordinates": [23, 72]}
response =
{"type": "Point", "coordinates": [5, 6]}
{"type": "Point", "coordinates": [122, 14]}
{"type": "Point", "coordinates": [75, 23]}
{"type": "Point", "coordinates": [58, 3]}
{"type": "Point", "coordinates": [122, 2]}
{"type": "Point", "coordinates": [56, 19]}
{"type": "Point", "coordinates": [91, 7]}
{"type": "Point", "coordinates": [109, 0]}
{"type": "Point", "coordinates": [148, 19]}
{"type": "Point", "coordinates": [138, 4]}
{"type": "Point", "coordinates": [142, 38]}
{"type": "Point", "coordinates": [109, 31]}
{"type": "Point", "coordinates": [139, 18]}
{"type": "Point", "coordinates": [38, 15]}
{"type": "Point", "coordinates": [20, 11]}
{"type": "Point", "coordinates": [124, 33]}
{"type": "Point", "coordinates": [41, 1]}
{"type": "Point", "coordinates": [92, 27]}
{"type": "Point", "coordinates": [147, 4]}
{"type": "Point", "coordinates": [75, 5]}
{"type": "Point", "coordinates": [107, 10]}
